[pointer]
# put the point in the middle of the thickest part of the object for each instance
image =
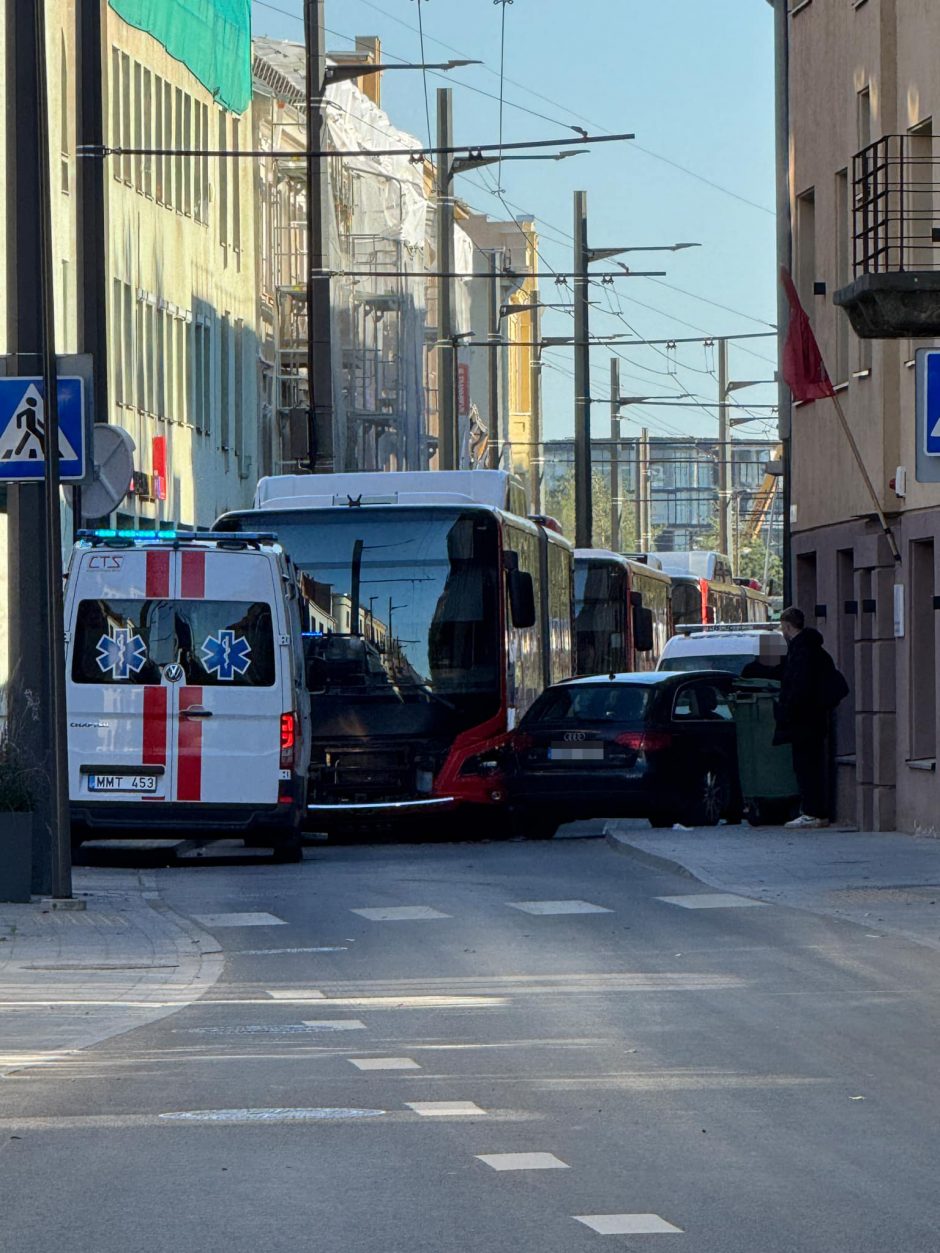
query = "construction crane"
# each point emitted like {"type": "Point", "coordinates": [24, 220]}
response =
{"type": "Point", "coordinates": [763, 503]}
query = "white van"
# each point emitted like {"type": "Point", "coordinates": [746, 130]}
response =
{"type": "Point", "coordinates": [746, 648]}
{"type": "Point", "coordinates": [187, 706]}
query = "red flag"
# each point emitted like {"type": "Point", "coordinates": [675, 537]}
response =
{"type": "Point", "coordinates": [803, 366]}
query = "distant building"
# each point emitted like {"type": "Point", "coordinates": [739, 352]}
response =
{"type": "Point", "coordinates": [683, 486]}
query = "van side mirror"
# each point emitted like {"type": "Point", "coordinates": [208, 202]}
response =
{"type": "Point", "coordinates": [643, 629]}
{"type": "Point", "coordinates": [521, 590]}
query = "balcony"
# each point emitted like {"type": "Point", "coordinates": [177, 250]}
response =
{"type": "Point", "coordinates": [896, 239]}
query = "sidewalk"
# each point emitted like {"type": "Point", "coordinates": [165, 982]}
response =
{"type": "Point", "coordinates": [885, 881]}
{"type": "Point", "coordinates": [70, 979]}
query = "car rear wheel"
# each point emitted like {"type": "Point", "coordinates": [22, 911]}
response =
{"type": "Point", "coordinates": [534, 824]}
{"type": "Point", "coordinates": [709, 798]}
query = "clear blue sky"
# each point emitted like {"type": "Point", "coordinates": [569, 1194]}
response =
{"type": "Point", "coordinates": [694, 80]}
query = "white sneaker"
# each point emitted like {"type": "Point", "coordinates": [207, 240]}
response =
{"type": "Point", "coordinates": [807, 823]}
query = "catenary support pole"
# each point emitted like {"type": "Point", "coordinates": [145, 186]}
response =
{"type": "Point", "coordinates": [28, 700]}
{"type": "Point", "coordinates": [321, 430]}
{"type": "Point", "coordinates": [54, 641]}
{"type": "Point", "coordinates": [724, 451]}
{"type": "Point", "coordinates": [446, 353]}
{"type": "Point", "coordinates": [583, 504]}
{"type": "Point", "coordinates": [643, 488]}
{"type": "Point", "coordinates": [615, 511]}
{"type": "Point", "coordinates": [492, 363]}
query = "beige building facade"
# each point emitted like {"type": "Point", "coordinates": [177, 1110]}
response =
{"type": "Point", "coordinates": [859, 72]}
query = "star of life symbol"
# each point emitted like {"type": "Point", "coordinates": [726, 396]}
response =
{"type": "Point", "coordinates": [226, 654]}
{"type": "Point", "coordinates": [123, 653]}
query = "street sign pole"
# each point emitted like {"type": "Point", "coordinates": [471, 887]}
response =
{"type": "Point", "coordinates": [61, 844]}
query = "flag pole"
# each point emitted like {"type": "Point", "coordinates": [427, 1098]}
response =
{"type": "Point", "coordinates": [856, 453]}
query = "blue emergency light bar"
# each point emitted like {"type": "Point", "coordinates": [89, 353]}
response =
{"type": "Point", "coordinates": [214, 537]}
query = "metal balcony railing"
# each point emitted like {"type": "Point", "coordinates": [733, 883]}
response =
{"type": "Point", "coordinates": [896, 223]}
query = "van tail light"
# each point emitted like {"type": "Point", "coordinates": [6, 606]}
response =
{"type": "Point", "coordinates": [644, 741]}
{"type": "Point", "coordinates": [288, 740]}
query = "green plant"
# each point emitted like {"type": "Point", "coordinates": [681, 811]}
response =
{"type": "Point", "coordinates": [18, 780]}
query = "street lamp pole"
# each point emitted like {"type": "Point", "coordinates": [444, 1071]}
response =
{"type": "Point", "coordinates": [615, 454]}
{"type": "Point", "coordinates": [446, 351]}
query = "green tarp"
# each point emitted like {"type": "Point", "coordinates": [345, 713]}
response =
{"type": "Point", "coordinates": [211, 37]}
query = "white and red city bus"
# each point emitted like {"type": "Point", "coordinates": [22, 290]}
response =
{"type": "Point", "coordinates": [441, 613]}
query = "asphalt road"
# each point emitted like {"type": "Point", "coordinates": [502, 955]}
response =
{"type": "Point", "coordinates": [761, 1079]}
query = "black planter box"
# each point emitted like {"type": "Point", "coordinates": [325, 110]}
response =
{"type": "Point", "coordinates": [16, 840]}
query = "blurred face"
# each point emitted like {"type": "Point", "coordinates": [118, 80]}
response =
{"type": "Point", "coordinates": [788, 630]}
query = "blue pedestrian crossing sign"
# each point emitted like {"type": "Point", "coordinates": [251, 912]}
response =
{"type": "Point", "coordinates": [23, 424]}
{"type": "Point", "coordinates": [931, 403]}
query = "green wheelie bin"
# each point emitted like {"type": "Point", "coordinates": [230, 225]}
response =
{"type": "Point", "coordinates": [768, 783]}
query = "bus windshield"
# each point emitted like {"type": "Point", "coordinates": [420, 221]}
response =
{"type": "Point", "coordinates": [600, 623]}
{"type": "Point", "coordinates": [405, 603]}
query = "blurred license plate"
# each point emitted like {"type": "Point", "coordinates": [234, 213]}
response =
{"type": "Point", "coordinates": [122, 783]}
{"type": "Point", "coordinates": [576, 752]}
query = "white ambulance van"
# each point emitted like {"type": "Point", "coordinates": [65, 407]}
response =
{"type": "Point", "coordinates": [187, 705]}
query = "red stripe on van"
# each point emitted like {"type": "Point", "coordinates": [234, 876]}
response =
{"type": "Point", "coordinates": [194, 576]}
{"type": "Point", "coordinates": [189, 749]}
{"type": "Point", "coordinates": [158, 575]}
{"type": "Point", "coordinates": [154, 751]}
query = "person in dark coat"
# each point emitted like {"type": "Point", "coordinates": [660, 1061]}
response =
{"type": "Point", "coordinates": [810, 689]}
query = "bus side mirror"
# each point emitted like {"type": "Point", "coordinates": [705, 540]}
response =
{"type": "Point", "coordinates": [521, 598]}
{"type": "Point", "coordinates": [642, 629]}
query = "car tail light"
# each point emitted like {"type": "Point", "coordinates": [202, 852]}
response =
{"type": "Point", "coordinates": [644, 741]}
{"type": "Point", "coordinates": [288, 739]}
{"type": "Point", "coordinates": [519, 741]}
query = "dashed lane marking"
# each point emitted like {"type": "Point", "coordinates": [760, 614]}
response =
{"type": "Point", "coordinates": [712, 900]}
{"type": "Point", "coordinates": [522, 1161]}
{"type": "Point", "coordinates": [283, 952]}
{"type": "Point", "coordinates": [558, 907]}
{"type": "Point", "coordinates": [269, 1115]}
{"type": "Point", "coordinates": [627, 1224]}
{"type": "Point", "coordinates": [400, 913]}
{"type": "Point", "coordinates": [436, 1001]}
{"type": "Point", "coordinates": [384, 1063]}
{"type": "Point", "coordinates": [240, 920]}
{"type": "Point", "coordinates": [335, 1024]}
{"type": "Point", "coordinates": [446, 1109]}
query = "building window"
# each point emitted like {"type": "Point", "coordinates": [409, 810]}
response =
{"type": "Point", "coordinates": [236, 191]}
{"type": "Point", "coordinates": [843, 223]}
{"type": "Point", "coordinates": [170, 359]}
{"type": "Point", "coordinates": [223, 182]}
{"type": "Point", "coordinates": [168, 187]}
{"type": "Point", "coordinates": [64, 147]}
{"type": "Point", "coordinates": [225, 382]}
{"type": "Point", "coordinates": [141, 362]}
{"type": "Point", "coordinates": [863, 117]}
{"type": "Point", "coordinates": [149, 351]}
{"type": "Point", "coordinates": [199, 143]}
{"type": "Point", "coordinates": [203, 206]}
{"type": "Point", "coordinates": [202, 373]}
{"type": "Point", "coordinates": [806, 247]}
{"type": "Point", "coordinates": [923, 652]}
{"type": "Point", "coordinates": [178, 162]}
{"type": "Point", "coordinates": [180, 374]}
{"type": "Point", "coordinates": [147, 109]}
{"type": "Point", "coordinates": [158, 137]}
{"type": "Point", "coordinates": [126, 160]}
{"type": "Point", "coordinates": [188, 161]}
{"type": "Point", "coordinates": [920, 197]}
{"type": "Point", "coordinates": [160, 365]}
{"type": "Point", "coordinates": [116, 107]}
{"type": "Point", "coordinates": [116, 308]}
{"type": "Point", "coordinates": [138, 124]}
{"type": "Point", "coordinates": [239, 396]}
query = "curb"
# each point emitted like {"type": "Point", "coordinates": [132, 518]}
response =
{"type": "Point", "coordinates": [654, 860]}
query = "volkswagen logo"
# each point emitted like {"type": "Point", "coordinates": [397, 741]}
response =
{"type": "Point", "coordinates": [173, 672]}
{"type": "Point", "coordinates": [575, 737]}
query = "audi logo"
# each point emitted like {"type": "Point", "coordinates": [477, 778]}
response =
{"type": "Point", "coordinates": [575, 737]}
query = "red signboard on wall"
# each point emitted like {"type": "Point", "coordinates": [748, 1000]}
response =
{"type": "Point", "coordinates": [463, 389]}
{"type": "Point", "coordinates": [159, 467]}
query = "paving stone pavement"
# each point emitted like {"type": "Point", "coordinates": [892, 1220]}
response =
{"type": "Point", "coordinates": [886, 881]}
{"type": "Point", "coordinates": [69, 979]}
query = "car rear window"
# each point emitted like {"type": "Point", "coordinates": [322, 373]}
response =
{"type": "Point", "coordinates": [215, 642]}
{"type": "Point", "coordinates": [600, 702]}
{"type": "Point", "coordinates": [731, 663]}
